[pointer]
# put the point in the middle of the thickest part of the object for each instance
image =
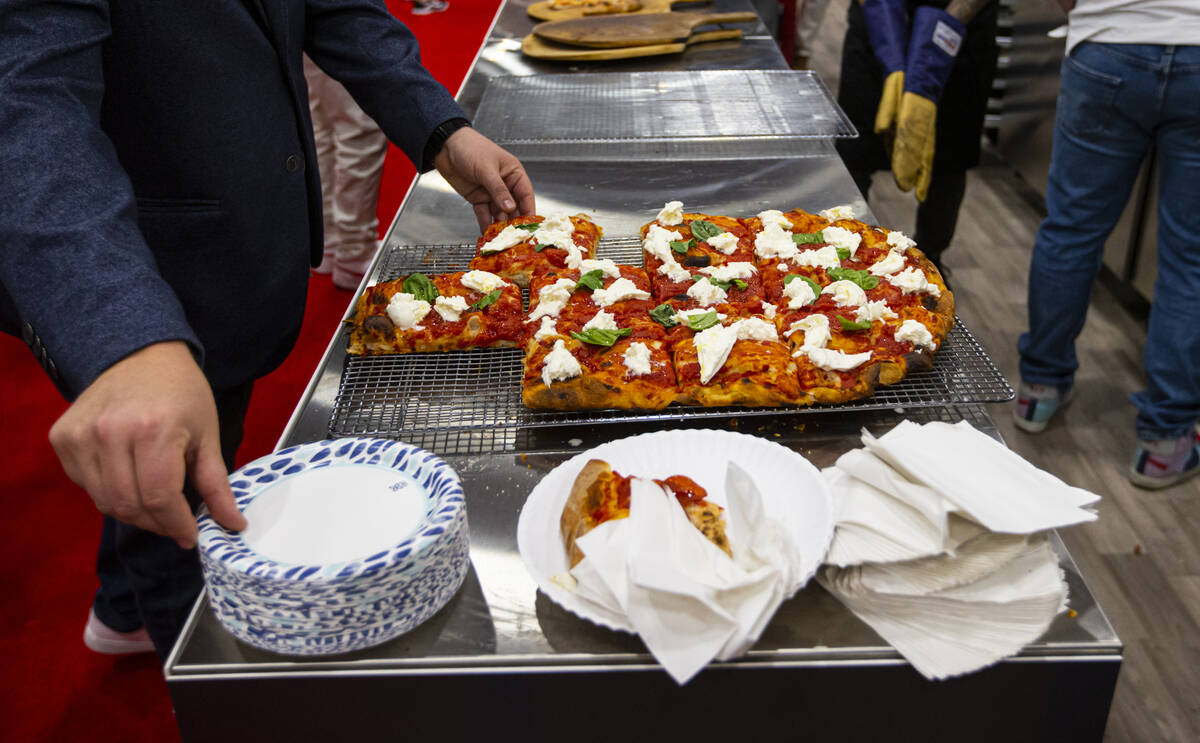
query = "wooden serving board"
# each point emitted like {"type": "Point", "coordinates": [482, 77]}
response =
{"type": "Point", "coordinates": [535, 46]}
{"type": "Point", "coordinates": [543, 10]}
{"type": "Point", "coordinates": [640, 29]}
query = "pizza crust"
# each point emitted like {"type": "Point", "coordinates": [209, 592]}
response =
{"type": "Point", "coordinates": [586, 497]}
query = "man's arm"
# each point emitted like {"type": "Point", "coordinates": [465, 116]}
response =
{"type": "Point", "coordinates": [965, 10]}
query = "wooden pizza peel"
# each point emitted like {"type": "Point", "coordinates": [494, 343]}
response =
{"type": "Point", "coordinates": [537, 47]}
{"type": "Point", "coordinates": [543, 10]}
{"type": "Point", "coordinates": [642, 29]}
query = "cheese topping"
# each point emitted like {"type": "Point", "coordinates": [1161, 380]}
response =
{"type": "Point", "coordinates": [730, 271]}
{"type": "Point", "coordinates": [482, 281]}
{"type": "Point", "coordinates": [845, 293]}
{"type": "Point", "coordinates": [606, 266]}
{"type": "Point", "coordinates": [674, 272]}
{"type": "Point", "coordinates": [637, 360]}
{"type": "Point", "coordinates": [405, 311]}
{"type": "Point", "coordinates": [782, 266]}
{"type": "Point", "coordinates": [560, 364]}
{"type": "Point", "coordinates": [557, 231]}
{"type": "Point", "coordinates": [658, 243]}
{"type": "Point", "coordinates": [799, 294]}
{"type": "Point", "coordinates": [706, 293]}
{"type": "Point", "coordinates": [769, 311]}
{"type": "Point", "coordinates": [872, 311]}
{"type": "Point", "coordinates": [601, 320]}
{"type": "Point", "coordinates": [889, 265]}
{"type": "Point", "coordinates": [815, 328]}
{"type": "Point", "coordinates": [912, 280]}
{"type": "Point", "coordinates": [552, 299]}
{"type": "Point", "coordinates": [844, 211]}
{"type": "Point", "coordinates": [840, 237]}
{"type": "Point", "coordinates": [712, 349]}
{"type": "Point", "coordinates": [620, 289]}
{"type": "Point", "coordinates": [508, 237]}
{"type": "Point", "coordinates": [682, 316]}
{"type": "Point", "coordinates": [671, 214]}
{"type": "Point", "coordinates": [833, 360]}
{"type": "Point", "coordinates": [774, 218]}
{"type": "Point", "coordinates": [756, 329]}
{"type": "Point", "coordinates": [899, 241]}
{"type": "Point", "coordinates": [450, 308]}
{"type": "Point", "coordinates": [825, 257]}
{"type": "Point", "coordinates": [915, 333]}
{"type": "Point", "coordinates": [548, 329]}
{"type": "Point", "coordinates": [775, 242]}
{"type": "Point", "coordinates": [726, 242]}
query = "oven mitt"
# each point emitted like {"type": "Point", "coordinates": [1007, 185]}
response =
{"type": "Point", "coordinates": [935, 40]}
{"type": "Point", "coordinates": [887, 29]}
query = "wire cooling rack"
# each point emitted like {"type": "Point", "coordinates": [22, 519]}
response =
{"type": "Point", "coordinates": [470, 401]}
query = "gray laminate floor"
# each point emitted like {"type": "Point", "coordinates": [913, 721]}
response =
{"type": "Point", "coordinates": [1141, 558]}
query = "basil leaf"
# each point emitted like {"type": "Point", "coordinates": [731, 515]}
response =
{"type": "Point", "coordinates": [702, 229]}
{"type": "Point", "coordinates": [803, 238]}
{"type": "Point", "coordinates": [601, 336]}
{"type": "Point", "coordinates": [843, 253]}
{"type": "Point", "coordinates": [532, 227]}
{"type": "Point", "coordinates": [681, 246]}
{"type": "Point", "coordinates": [853, 325]}
{"type": "Point", "coordinates": [862, 278]}
{"type": "Point", "coordinates": [593, 280]}
{"type": "Point", "coordinates": [664, 315]}
{"type": "Point", "coordinates": [741, 285]}
{"type": "Point", "coordinates": [719, 283]}
{"type": "Point", "coordinates": [488, 300]}
{"type": "Point", "coordinates": [420, 286]}
{"type": "Point", "coordinates": [704, 321]}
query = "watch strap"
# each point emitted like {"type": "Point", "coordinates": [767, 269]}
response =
{"type": "Point", "coordinates": [437, 140]}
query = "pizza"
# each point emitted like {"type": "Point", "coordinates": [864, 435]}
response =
{"type": "Point", "coordinates": [446, 312]}
{"type": "Point", "coordinates": [600, 494]}
{"type": "Point", "coordinates": [521, 248]}
{"type": "Point", "coordinates": [781, 308]}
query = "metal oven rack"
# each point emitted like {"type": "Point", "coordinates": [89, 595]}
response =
{"type": "Point", "coordinates": [471, 400]}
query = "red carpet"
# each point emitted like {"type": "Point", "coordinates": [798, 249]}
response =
{"type": "Point", "coordinates": [52, 687]}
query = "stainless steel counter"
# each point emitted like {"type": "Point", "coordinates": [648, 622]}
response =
{"type": "Point", "coordinates": [502, 660]}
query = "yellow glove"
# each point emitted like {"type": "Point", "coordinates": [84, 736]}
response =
{"type": "Point", "coordinates": [889, 102]}
{"type": "Point", "coordinates": [912, 151]}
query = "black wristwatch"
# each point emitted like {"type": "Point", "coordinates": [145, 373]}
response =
{"type": "Point", "coordinates": [437, 140]}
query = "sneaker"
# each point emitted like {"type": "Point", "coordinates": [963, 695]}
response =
{"type": "Point", "coordinates": [431, 6]}
{"type": "Point", "coordinates": [103, 639]}
{"type": "Point", "coordinates": [1161, 464]}
{"type": "Point", "coordinates": [1036, 404]}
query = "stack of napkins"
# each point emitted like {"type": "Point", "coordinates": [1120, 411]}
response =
{"type": "Point", "coordinates": [687, 599]}
{"type": "Point", "coordinates": [941, 544]}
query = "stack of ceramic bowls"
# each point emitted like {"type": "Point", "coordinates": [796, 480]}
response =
{"type": "Point", "coordinates": [350, 543]}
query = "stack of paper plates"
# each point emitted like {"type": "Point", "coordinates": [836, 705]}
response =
{"type": "Point", "coordinates": [350, 543]}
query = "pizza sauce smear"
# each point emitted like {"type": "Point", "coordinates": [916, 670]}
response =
{"type": "Point", "coordinates": [682, 487]}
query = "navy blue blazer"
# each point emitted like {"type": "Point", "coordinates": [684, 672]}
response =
{"type": "Point", "coordinates": [158, 176]}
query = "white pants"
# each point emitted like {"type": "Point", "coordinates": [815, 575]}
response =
{"type": "Point", "coordinates": [809, 14]}
{"type": "Point", "coordinates": [350, 154]}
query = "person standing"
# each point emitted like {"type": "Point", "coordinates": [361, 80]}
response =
{"type": "Point", "coordinates": [162, 209]}
{"type": "Point", "coordinates": [915, 81]}
{"type": "Point", "coordinates": [1130, 85]}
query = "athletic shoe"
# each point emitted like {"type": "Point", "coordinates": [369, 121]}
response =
{"type": "Point", "coordinates": [1161, 464]}
{"type": "Point", "coordinates": [103, 639]}
{"type": "Point", "coordinates": [1036, 404]}
{"type": "Point", "coordinates": [432, 6]}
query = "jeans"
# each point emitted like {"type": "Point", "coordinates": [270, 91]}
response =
{"type": "Point", "coordinates": [1115, 101]}
{"type": "Point", "coordinates": [148, 580]}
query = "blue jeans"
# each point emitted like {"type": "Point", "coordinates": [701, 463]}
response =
{"type": "Point", "coordinates": [1115, 101]}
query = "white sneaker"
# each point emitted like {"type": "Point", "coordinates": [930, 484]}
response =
{"type": "Point", "coordinates": [103, 639]}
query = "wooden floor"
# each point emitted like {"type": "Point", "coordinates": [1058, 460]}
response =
{"type": "Point", "coordinates": [1141, 558]}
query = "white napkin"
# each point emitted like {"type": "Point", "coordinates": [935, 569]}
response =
{"type": "Point", "coordinates": [963, 628]}
{"type": "Point", "coordinates": [984, 480]}
{"type": "Point", "coordinates": [872, 525]}
{"type": "Point", "coordinates": [688, 600]}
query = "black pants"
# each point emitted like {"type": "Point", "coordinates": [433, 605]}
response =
{"type": "Point", "coordinates": [148, 580]}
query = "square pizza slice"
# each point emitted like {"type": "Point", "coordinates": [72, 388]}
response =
{"type": "Point", "coordinates": [520, 248]}
{"type": "Point", "coordinates": [739, 362]}
{"type": "Point", "coordinates": [567, 373]}
{"type": "Point", "coordinates": [598, 299]}
{"type": "Point", "coordinates": [445, 312]}
{"type": "Point", "coordinates": [677, 244]}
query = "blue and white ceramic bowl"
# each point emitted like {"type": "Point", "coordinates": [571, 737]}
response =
{"type": "Point", "coordinates": [351, 542]}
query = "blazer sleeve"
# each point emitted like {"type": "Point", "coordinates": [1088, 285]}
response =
{"type": "Point", "coordinates": [79, 273]}
{"type": "Point", "coordinates": [361, 45]}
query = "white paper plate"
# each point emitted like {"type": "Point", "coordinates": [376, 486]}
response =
{"type": "Point", "coordinates": [793, 492]}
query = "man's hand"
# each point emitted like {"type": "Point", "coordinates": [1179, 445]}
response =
{"type": "Point", "coordinates": [491, 179]}
{"type": "Point", "coordinates": [936, 38]}
{"type": "Point", "coordinates": [887, 29]}
{"type": "Point", "coordinates": [136, 431]}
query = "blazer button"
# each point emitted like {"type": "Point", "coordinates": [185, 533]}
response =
{"type": "Point", "coordinates": [292, 163]}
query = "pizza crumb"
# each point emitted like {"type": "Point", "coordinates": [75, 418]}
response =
{"type": "Point", "coordinates": [1071, 613]}
{"type": "Point", "coordinates": [1137, 549]}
